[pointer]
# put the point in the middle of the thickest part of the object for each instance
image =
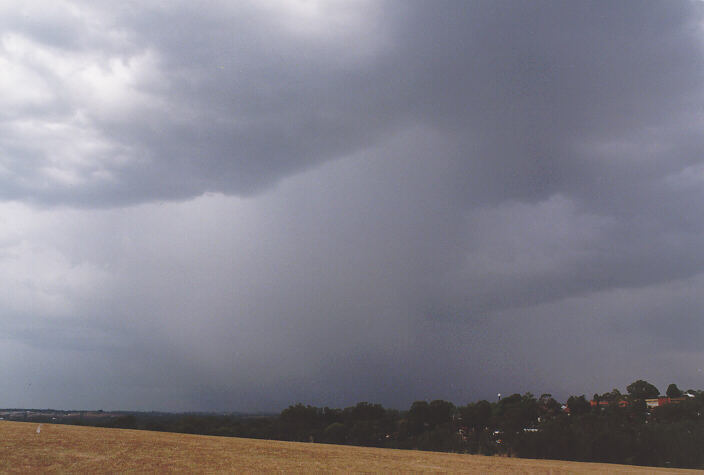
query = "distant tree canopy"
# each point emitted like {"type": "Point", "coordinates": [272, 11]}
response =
{"type": "Point", "coordinates": [613, 396]}
{"type": "Point", "coordinates": [578, 405]}
{"type": "Point", "coordinates": [673, 391]}
{"type": "Point", "coordinates": [642, 390]}
{"type": "Point", "coordinates": [476, 416]}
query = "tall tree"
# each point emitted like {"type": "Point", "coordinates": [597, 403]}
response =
{"type": "Point", "coordinates": [673, 391]}
{"type": "Point", "coordinates": [642, 390]}
{"type": "Point", "coordinates": [578, 405]}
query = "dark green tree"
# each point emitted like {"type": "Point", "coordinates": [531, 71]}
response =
{"type": "Point", "coordinates": [480, 414]}
{"type": "Point", "coordinates": [578, 405]}
{"type": "Point", "coordinates": [335, 433]}
{"type": "Point", "coordinates": [642, 390]}
{"type": "Point", "coordinates": [441, 412]}
{"type": "Point", "coordinates": [673, 391]}
{"type": "Point", "coordinates": [301, 423]}
{"type": "Point", "coordinates": [418, 417]}
{"type": "Point", "coordinates": [549, 407]}
{"type": "Point", "coordinates": [612, 397]}
{"type": "Point", "coordinates": [365, 411]}
{"type": "Point", "coordinates": [514, 414]}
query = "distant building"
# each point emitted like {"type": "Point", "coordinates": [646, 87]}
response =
{"type": "Point", "coordinates": [661, 401]}
{"type": "Point", "coordinates": [650, 402]}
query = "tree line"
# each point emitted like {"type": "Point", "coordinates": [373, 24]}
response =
{"type": "Point", "coordinates": [616, 428]}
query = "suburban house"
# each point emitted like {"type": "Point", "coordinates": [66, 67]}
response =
{"type": "Point", "coordinates": [661, 401]}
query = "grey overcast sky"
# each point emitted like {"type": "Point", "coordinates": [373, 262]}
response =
{"type": "Point", "coordinates": [223, 205]}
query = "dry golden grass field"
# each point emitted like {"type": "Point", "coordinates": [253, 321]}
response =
{"type": "Point", "coordinates": [61, 448]}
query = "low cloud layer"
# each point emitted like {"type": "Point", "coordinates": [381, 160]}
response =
{"type": "Point", "coordinates": [241, 206]}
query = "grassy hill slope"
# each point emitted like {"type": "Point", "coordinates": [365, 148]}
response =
{"type": "Point", "coordinates": [62, 448]}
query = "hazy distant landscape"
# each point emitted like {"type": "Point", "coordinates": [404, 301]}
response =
{"type": "Point", "coordinates": [641, 426]}
{"type": "Point", "coordinates": [98, 417]}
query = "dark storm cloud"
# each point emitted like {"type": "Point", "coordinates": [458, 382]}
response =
{"type": "Point", "coordinates": [226, 98]}
{"type": "Point", "coordinates": [531, 95]}
{"type": "Point", "coordinates": [411, 200]}
{"type": "Point", "coordinates": [540, 94]}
